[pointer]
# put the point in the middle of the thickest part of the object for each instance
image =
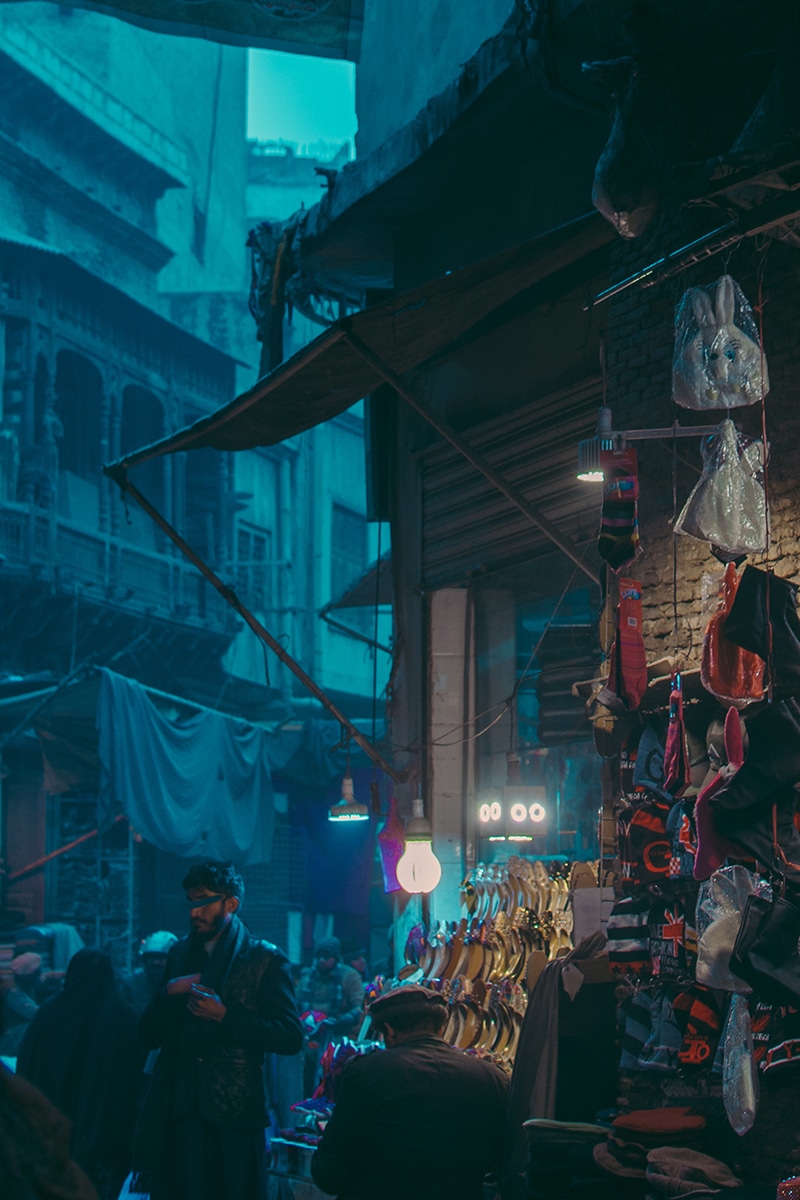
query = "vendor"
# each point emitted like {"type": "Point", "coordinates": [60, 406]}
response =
{"type": "Point", "coordinates": [418, 1118]}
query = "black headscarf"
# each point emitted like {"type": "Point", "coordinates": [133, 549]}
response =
{"type": "Point", "coordinates": [82, 1050]}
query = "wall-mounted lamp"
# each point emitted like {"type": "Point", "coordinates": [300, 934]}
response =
{"type": "Point", "coordinates": [607, 438]}
{"type": "Point", "coordinates": [589, 468]}
{"type": "Point", "coordinates": [419, 870]}
{"type": "Point", "coordinates": [348, 808]}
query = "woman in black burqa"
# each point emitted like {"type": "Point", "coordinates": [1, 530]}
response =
{"type": "Point", "coordinates": [82, 1050]}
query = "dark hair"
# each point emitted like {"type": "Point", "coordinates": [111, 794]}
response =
{"type": "Point", "coordinates": [216, 876]}
{"type": "Point", "coordinates": [413, 1022]}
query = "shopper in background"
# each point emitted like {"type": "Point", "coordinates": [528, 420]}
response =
{"type": "Point", "coordinates": [19, 1006]}
{"type": "Point", "coordinates": [141, 984]}
{"type": "Point", "coordinates": [34, 1143]}
{"type": "Point", "coordinates": [82, 1051]}
{"type": "Point", "coordinates": [416, 1119]}
{"type": "Point", "coordinates": [357, 960]}
{"type": "Point", "coordinates": [331, 998]}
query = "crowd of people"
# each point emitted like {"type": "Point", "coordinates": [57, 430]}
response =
{"type": "Point", "coordinates": [155, 1084]}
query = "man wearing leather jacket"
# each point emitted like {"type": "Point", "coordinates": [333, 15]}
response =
{"type": "Point", "coordinates": [227, 1000]}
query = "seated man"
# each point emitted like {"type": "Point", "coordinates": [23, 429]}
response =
{"type": "Point", "coordinates": [418, 1118]}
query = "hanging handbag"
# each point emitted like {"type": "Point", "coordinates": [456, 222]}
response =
{"type": "Point", "coordinates": [727, 671]}
{"type": "Point", "coordinates": [765, 953]}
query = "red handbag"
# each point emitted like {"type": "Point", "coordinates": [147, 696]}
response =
{"type": "Point", "coordinates": [727, 671]}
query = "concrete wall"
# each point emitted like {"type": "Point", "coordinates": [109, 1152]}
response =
{"type": "Point", "coordinates": [185, 99]}
{"type": "Point", "coordinates": [412, 51]}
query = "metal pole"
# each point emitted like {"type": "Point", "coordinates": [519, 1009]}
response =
{"type": "Point", "coordinates": [511, 493]}
{"type": "Point", "coordinates": [119, 475]}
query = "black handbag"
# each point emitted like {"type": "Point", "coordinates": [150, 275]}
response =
{"type": "Point", "coordinates": [766, 953]}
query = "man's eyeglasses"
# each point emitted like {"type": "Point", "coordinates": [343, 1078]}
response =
{"type": "Point", "coordinates": [202, 901]}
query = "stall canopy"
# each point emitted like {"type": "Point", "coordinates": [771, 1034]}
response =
{"type": "Point", "coordinates": [331, 373]}
{"type": "Point", "coordinates": [329, 28]}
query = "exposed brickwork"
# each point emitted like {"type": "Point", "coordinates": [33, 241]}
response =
{"type": "Point", "coordinates": [639, 357]}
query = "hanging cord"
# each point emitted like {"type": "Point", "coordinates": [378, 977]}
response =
{"type": "Point", "coordinates": [375, 800]}
{"type": "Point", "coordinates": [674, 540]}
{"type": "Point", "coordinates": [765, 460]}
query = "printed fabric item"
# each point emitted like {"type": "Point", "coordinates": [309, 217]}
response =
{"type": "Point", "coordinates": [619, 528]}
{"type": "Point", "coordinates": [783, 1042]}
{"type": "Point", "coordinates": [682, 833]}
{"type": "Point", "coordinates": [670, 939]}
{"type": "Point", "coordinates": [698, 1017]}
{"type": "Point", "coordinates": [644, 844]}
{"type": "Point", "coordinates": [677, 777]}
{"type": "Point", "coordinates": [648, 770]}
{"type": "Point", "coordinates": [628, 936]}
{"type": "Point", "coordinates": [627, 670]}
{"type": "Point", "coordinates": [651, 1040]}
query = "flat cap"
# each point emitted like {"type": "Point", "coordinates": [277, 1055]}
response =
{"type": "Point", "coordinates": [410, 1000]}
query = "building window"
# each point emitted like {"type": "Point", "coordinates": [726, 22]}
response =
{"type": "Point", "coordinates": [348, 548]}
{"type": "Point", "coordinates": [79, 392]}
{"type": "Point", "coordinates": [348, 562]}
{"type": "Point", "coordinates": [253, 562]}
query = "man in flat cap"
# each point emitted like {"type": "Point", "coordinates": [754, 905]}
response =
{"type": "Point", "coordinates": [418, 1118]}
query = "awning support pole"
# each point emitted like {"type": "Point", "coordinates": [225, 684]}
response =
{"type": "Point", "coordinates": [42, 862]}
{"type": "Point", "coordinates": [511, 493]}
{"type": "Point", "coordinates": [120, 476]}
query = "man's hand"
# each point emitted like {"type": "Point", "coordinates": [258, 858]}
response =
{"type": "Point", "coordinates": [181, 984]}
{"type": "Point", "coordinates": [205, 1003]}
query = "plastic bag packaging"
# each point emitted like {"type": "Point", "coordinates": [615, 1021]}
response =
{"type": "Point", "coordinates": [720, 904]}
{"type": "Point", "coordinates": [728, 672]}
{"type": "Point", "coordinates": [739, 1072]}
{"type": "Point", "coordinates": [717, 361]}
{"type": "Point", "coordinates": [728, 505]}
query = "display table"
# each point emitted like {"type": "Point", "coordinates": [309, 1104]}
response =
{"type": "Point", "coordinates": [289, 1172]}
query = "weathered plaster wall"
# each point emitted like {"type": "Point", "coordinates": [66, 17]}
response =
{"type": "Point", "coordinates": [189, 92]}
{"type": "Point", "coordinates": [412, 51]}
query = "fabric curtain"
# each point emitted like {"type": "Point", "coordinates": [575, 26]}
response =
{"type": "Point", "coordinates": [195, 786]}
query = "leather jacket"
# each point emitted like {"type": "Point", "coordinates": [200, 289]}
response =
{"type": "Point", "coordinates": [216, 1067]}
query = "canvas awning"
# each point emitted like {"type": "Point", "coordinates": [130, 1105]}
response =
{"type": "Point", "coordinates": [330, 374]}
{"type": "Point", "coordinates": [330, 28]}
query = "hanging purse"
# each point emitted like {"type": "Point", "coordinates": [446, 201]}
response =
{"type": "Point", "coordinates": [727, 671]}
{"type": "Point", "coordinates": [766, 953]}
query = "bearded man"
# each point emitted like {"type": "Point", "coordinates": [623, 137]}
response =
{"type": "Point", "coordinates": [226, 1000]}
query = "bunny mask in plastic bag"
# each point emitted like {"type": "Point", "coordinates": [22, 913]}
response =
{"type": "Point", "coordinates": [718, 360]}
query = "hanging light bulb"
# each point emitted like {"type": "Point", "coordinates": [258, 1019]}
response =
{"type": "Point", "coordinates": [419, 870]}
{"type": "Point", "coordinates": [348, 808]}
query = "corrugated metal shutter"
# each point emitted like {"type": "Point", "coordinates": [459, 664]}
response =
{"type": "Point", "coordinates": [468, 527]}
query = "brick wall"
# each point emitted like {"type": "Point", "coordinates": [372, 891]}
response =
{"type": "Point", "coordinates": [639, 340]}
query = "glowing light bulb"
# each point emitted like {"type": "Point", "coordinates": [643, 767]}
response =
{"type": "Point", "coordinates": [419, 870]}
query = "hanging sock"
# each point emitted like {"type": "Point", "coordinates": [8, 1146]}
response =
{"type": "Point", "coordinates": [628, 667]}
{"type": "Point", "coordinates": [619, 527]}
{"type": "Point", "coordinates": [677, 777]}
